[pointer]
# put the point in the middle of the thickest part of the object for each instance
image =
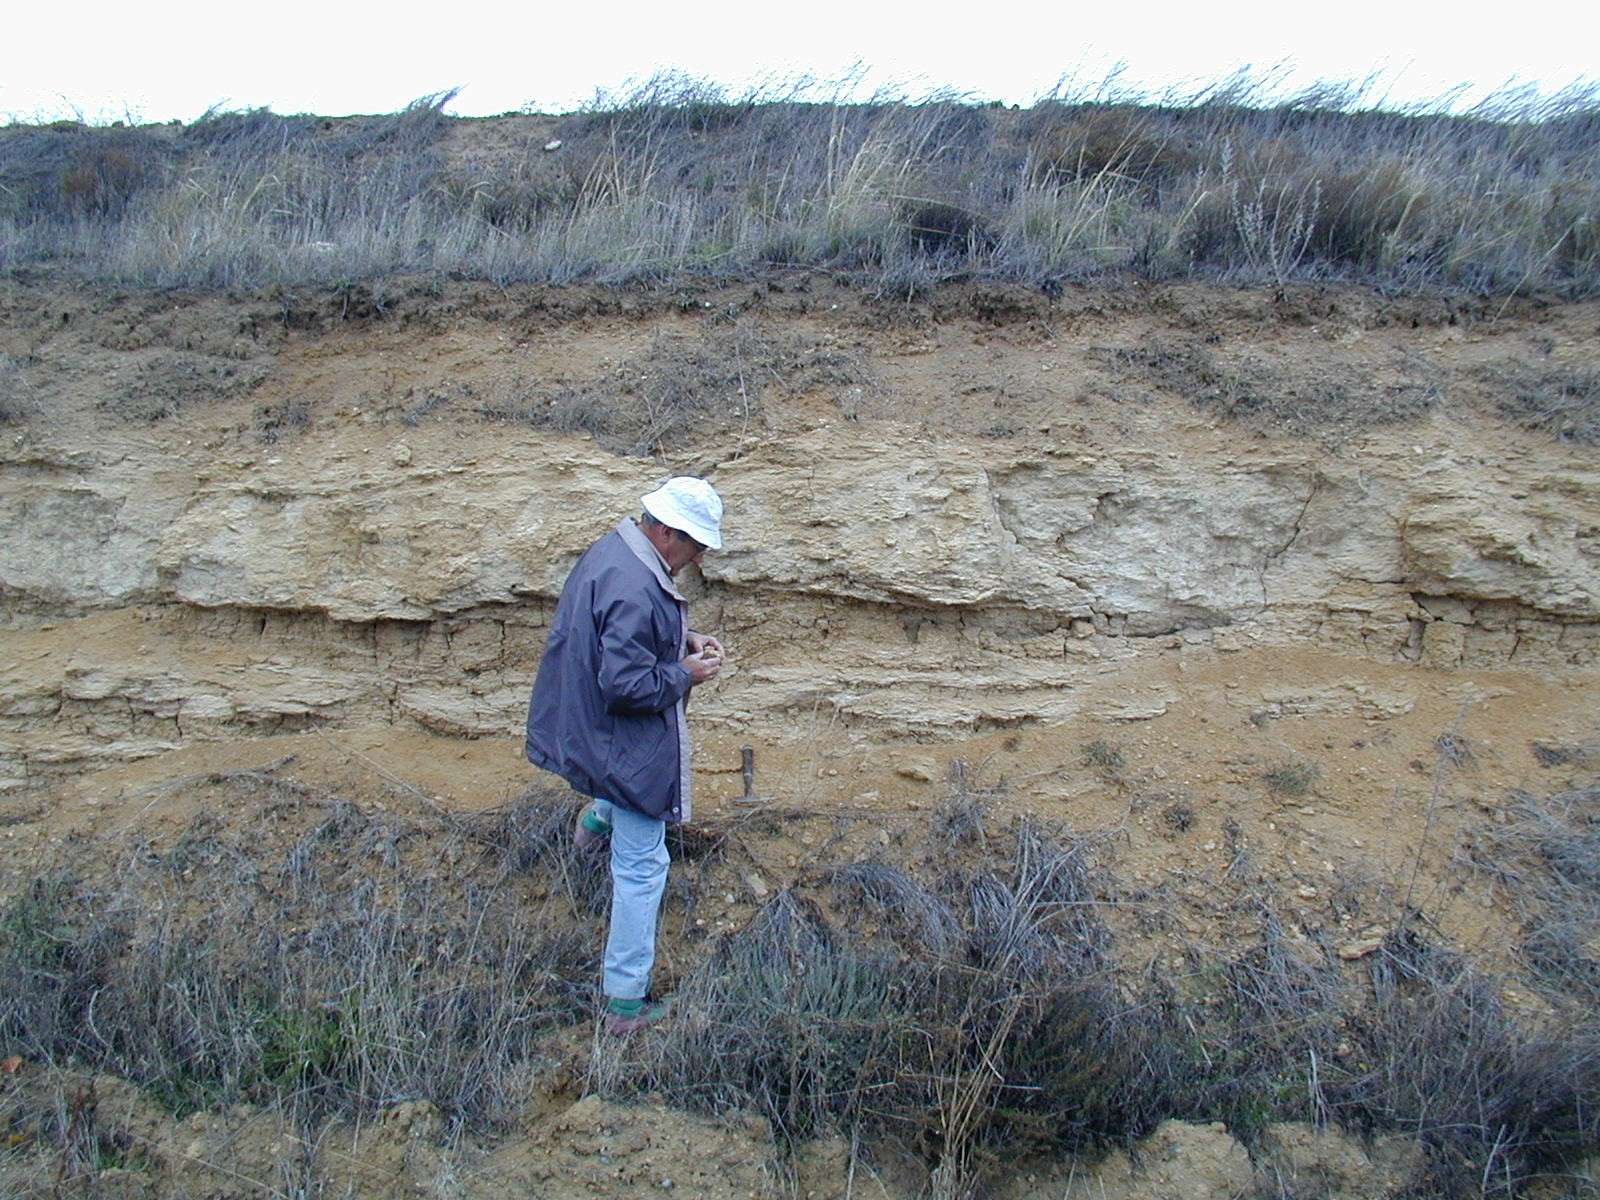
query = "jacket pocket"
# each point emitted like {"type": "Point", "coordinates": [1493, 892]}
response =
{"type": "Point", "coordinates": [639, 744]}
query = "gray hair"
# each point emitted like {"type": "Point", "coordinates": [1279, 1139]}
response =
{"type": "Point", "coordinates": [646, 521]}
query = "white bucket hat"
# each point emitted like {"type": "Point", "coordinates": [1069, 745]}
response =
{"type": "Point", "coordinates": [689, 505]}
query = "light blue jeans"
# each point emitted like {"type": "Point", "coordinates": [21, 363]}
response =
{"type": "Point", "coordinates": [639, 862]}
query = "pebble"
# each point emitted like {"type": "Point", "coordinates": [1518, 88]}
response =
{"type": "Point", "coordinates": [1351, 951]}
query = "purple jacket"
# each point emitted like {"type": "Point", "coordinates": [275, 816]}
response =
{"type": "Point", "coordinates": [607, 711]}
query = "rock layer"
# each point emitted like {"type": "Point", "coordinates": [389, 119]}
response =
{"type": "Point", "coordinates": [211, 573]}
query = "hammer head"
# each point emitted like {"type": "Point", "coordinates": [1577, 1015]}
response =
{"type": "Point", "coordinates": [747, 760]}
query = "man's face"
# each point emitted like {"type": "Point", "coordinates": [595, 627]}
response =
{"type": "Point", "coordinates": [681, 550]}
{"type": "Point", "coordinates": [675, 546]}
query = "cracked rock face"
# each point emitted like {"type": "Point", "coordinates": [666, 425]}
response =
{"type": "Point", "coordinates": [1158, 541]}
{"type": "Point", "coordinates": [184, 578]}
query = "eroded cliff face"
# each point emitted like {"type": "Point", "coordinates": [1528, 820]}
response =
{"type": "Point", "coordinates": [228, 518]}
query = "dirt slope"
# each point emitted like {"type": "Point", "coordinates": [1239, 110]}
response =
{"type": "Point", "coordinates": [1227, 577]}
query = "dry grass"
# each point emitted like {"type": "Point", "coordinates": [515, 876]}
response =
{"type": "Point", "coordinates": [1563, 402]}
{"type": "Point", "coordinates": [714, 380]}
{"type": "Point", "coordinates": [678, 177]}
{"type": "Point", "coordinates": [1327, 404]}
{"type": "Point", "coordinates": [1292, 779]}
{"type": "Point", "coordinates": [164, 381]}
{"type": "Point", "coordinates": [1547, 857]}
{"type": "Point", "coordinates": [336, 979]}
{"type": "Point", "coordinates": [1436, 1054]}
{"type": "Point", "coordinates": [1105, 758]}
{"type": "Point", "coordinates": [969, 1003]}
{"type": "Point", "coordinates": [982, 1018]}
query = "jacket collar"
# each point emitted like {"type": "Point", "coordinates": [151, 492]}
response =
{"type": "Point", "coordinates": [633, 537]}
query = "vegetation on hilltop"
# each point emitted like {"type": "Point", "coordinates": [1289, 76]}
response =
{"type": "Point", "coordinates": [679, 178]}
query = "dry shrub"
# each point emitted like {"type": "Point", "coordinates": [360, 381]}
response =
{"type": "Point", "coordinates": [1205, 231]}
{"type": "Point", "coordinates": [1494, 1101]}
{"type": "Point", "coordinates": [537, 832]}
{"type": "Point", "coordinates": [686, 386]}
{"type": "Point", "coordinates": [937, 227]}
{"type": "Point", "coordinates": [677, 177]}
{"type": "Point", "coordinates": [71, 172]}
{"type": "Point", "coordinates": [1257, 1022]}
{"type": "Point", "coordinates": [1362, 215]}
{"type": "Point", "coordinates": [165, 381]}
{"type": "Point", "coordinates": [1274, 207]}
{"type": "Point", "coordinates": [101, 183]}
{"type": "Point", "coordinates": [1328, 404]}
{"type": "Point", "coordinates": [987, 1019]}
{"type": "Point", "coordinates": [959, 818]}
{"type": "Point", "coordinates": [1572, 227]}
{"type": "Point", "coordinates": [1563, 402]}
{"type": "Point", "coordinates": [1291, 778]}
{"type": "Point", "coordinates": [1120, 140]}
{"type": "Point", "coordinates": [48, 966]}
{"type": "Point", "coordinates": [664, 102]}
{"type": "Point", "coordinates": [512, 200]}
{"type": "Point", "coordinates": [1105, 758]}
{"type": "Point", "coordinates": [888, 894]}
{"type": "Point", "coordinates": [1547, 857]}
{"type": "Point", "coordinates": [282, 419]}
{"type": "Point", "coordinates": [330, 981]}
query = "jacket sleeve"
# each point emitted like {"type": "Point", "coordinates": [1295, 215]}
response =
{"type": "Point", "coordinates": [632, 679]}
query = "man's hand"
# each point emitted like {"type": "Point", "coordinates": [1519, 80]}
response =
{"type": "Point", "coordinates": [702, 666]}
{"type": "Point", "coordinates": [702, 643]}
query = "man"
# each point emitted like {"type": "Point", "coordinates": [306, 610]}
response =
{"type": "Point", "coordinates": [607, 714]}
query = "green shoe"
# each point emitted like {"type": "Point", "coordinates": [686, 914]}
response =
{"type": "Point", "coordinates": [626, 1016]}
{"type": "Point", "coordinates": [593, 831]}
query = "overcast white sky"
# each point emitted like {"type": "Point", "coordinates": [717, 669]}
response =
{"type": "Point", "coordinates": [174, 60]}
